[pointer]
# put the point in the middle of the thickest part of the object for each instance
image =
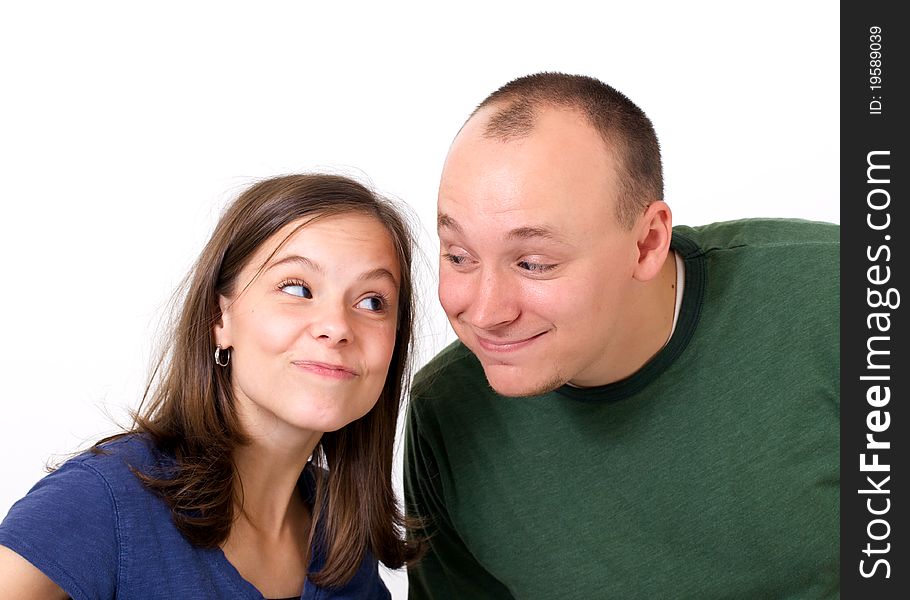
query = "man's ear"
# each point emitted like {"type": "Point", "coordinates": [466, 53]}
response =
{"type": "Point", "coordinates": [222, 328]}
{"type": "Point", "coordinates": [654, 230]}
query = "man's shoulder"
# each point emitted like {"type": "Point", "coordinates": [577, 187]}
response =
{"type": "Point", "coordinates": [451, 368]}
{"type": "Point", "coordinates": [760, 233]}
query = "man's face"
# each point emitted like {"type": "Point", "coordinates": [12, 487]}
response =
{"type": "Point", "coordinates": [535, 270]}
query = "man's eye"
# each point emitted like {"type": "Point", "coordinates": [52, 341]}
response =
{"type": "Point", "coordinates": [455, 259]}
{"type": "Point", "coordinates": [372, 303]}
{"type": "Point", "coordinates": [296, 289]}
{"type": "Point", "coordinates": [535, 267]}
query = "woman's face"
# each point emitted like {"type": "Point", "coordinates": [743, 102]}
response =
{"type": "Point", "coordinates": [312, 335]}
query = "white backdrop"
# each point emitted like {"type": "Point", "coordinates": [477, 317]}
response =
{"type": "Point", "coordinates": [125, 127]}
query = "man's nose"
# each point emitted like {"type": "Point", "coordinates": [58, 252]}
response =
{"type": "Point", "coordinates": [494, 302]}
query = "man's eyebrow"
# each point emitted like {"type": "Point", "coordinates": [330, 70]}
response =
{"type": "Point", "coordinates": [444, 221]}
{"type": "Point", "coordinates": [526, 233]}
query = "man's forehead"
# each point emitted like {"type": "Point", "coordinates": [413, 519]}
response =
{"type": "Point", "coordinates": [510, 231]}
{"type": "Point", "coordinates": [555, 182]}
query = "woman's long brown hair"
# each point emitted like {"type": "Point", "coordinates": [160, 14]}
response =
{"type": "Point", "coordinates": [189, 409]}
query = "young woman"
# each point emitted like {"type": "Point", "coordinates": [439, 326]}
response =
{"type": "Point", "coordinates": [260, 466]}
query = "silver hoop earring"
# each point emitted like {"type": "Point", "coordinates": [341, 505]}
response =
{"type": "Point", "coordinates": [222, 354]}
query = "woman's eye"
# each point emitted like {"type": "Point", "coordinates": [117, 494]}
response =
{"type": "Point", "coordinates": [373, 303]}
{"type": "Point", "coordinates": [297, 289]}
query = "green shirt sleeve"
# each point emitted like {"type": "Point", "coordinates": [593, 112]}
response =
{"type": "Point", "coordinates": [448, 569]}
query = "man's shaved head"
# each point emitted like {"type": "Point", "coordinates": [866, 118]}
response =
{"type": "Point", "coordinates": [625, 129]}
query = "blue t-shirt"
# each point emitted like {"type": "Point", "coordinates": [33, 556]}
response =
{"type": "Point", "coordinates": [97, 532]}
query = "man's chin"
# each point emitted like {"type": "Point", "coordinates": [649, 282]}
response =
{"type": "Point", "coordinates": [519, 382]}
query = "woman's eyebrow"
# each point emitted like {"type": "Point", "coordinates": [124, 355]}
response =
{"type": "Point", "coordinates": [372, 274]}
{"type": "Point", "coordinates": [378, 273]}
{"type": "Point", "coordinates": [296, 258]}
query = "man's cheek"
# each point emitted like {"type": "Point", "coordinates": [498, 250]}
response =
{"type": "Point", "coordinates": [451, 297]}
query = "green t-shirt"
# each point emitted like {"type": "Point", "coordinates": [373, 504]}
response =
{"type": "Point", "coordinates": [712, 472]}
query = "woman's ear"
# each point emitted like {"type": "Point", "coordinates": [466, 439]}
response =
{"type": "Point", "coordinates": [222, 327]}
{"type": "Point", "coordinates": [655, 229]}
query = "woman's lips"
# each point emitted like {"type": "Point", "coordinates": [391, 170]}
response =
{"type": "Point", "coordinates": [326, 369]}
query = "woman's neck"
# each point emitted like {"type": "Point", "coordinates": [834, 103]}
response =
{"type": "Point", "coordinates": [268, 542]}
{"type": "Point", "coordinates": [267, 470]}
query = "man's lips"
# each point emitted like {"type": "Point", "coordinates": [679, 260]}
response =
{"type": "Point", "coordinates": [507, 345]}
{"type": "Point", "coordinates": [329, 370]}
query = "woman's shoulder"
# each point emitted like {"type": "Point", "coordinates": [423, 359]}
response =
{"type": "Point", "coordinates": [94, 482]}
{"type": "Point", "coordinates": [95, 530]}
{"type": "Point", "coordinates": [70, 524]}
{"type": "Point", "coordinates": [104, 472]}
{"type": "Point", "coordinates": [118, 457]}
{"type": "Point", "coordinates": [89, 493]}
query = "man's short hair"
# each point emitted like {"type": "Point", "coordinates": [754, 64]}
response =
{"type": "Point", "coordinates": [624, 128]}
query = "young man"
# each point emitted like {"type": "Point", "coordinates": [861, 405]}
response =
{"type": "Point", "coordinates": [664, 413]}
